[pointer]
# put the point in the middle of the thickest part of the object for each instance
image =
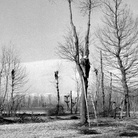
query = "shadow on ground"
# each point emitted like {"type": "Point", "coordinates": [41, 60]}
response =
{"type": "Point", "coordinates": [131, 131]}
{"type": "Point", "coordinates": [128, 134]}
{"type": "Point", "coordinates": [132, 127]}
{"type": "Point", "coordinates": [87, 131]}
{"type": "Point", "coordinates": [102, 123]}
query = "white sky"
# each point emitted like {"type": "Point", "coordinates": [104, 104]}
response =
{"type": "Point", "coordinates": [36, 26]}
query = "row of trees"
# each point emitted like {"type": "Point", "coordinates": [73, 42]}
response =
{"type": "Point", "coordinates": [30, 101]}
{"type": "Point", "coordinates": [117, 40]}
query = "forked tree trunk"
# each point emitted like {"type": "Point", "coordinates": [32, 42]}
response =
{"type": "Point", "coordinates": [84, 115]}
{"type": "Point", "coordinates": [83, 65]}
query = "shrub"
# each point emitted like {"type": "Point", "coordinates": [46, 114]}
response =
{"type": "Point", "coordinates": [53, 111]}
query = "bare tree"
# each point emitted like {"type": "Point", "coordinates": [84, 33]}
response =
{"type": "Point", "coordinates": [119, 40]}
{"type": "Point", "coordinates": [18, 80]}
{"type": "Point", "coordinates": [4, 79]}
{"type": "Point", "coordinates": [13, 78]}
{"type": "Point", "coordinates": [57, 86]}
{"type": "Point", "coordinates": [72, 50]}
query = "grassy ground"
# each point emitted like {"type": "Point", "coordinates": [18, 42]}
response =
{"type": "Point", "coordinates": [106, 128]}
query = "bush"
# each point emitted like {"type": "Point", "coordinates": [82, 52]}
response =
{"type": "Point", "coordinates": [54, 111]}
{"type": "Point", "coordinates": [36, 119]}
{"type": "Point", "coordinates": [24, 118]}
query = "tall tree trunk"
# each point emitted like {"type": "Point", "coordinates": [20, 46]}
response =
{"type": "Point", "coordinates": [83, 65]}
{"type": "Point", "coordinates": [6, 89]}
{"type": "Point", "coordinates": [58, 97]}
{"type": "Point", "coordinates": [94, 108]}
{"type": "Point", "coordinates": [125, 87]}
{"type": "Point", "coordinates": [83, 109]}
{"type": "Point", "coordinates": [122, 68]}
{"type": "Point", "coordinates": [77, 101]}
{"type": "Point", "coordinates": [12, 93]}
{"type": "Point", "coordinates": [102, 83]}
{"type": "Point", "coordinates": [97, 90]}
{"type": "Point", "coordinates": [71, 102]}
{"type": "Point", "coordinates": [1, 108]}
{"type": "Point", "coordinates": [84, 116]}
{"type": "Point", "coordinates": [110, 94]}
{"type": "Point", "coordinates": [57, 86]}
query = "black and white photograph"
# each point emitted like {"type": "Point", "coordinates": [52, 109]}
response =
{"type": "Point", "coordinates": [68, 68]}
